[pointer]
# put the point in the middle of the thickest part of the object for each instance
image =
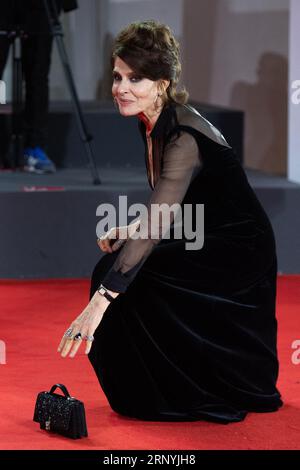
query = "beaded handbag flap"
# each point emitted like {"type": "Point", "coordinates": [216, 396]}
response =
{"type": "Point", "coordinates": [54, 409]}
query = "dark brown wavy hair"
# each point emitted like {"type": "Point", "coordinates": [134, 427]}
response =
{"type": "Point", "coordinates": [151, 50]}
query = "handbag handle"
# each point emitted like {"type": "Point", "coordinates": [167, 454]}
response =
{"type": "Point", "coordinates": [63, 388]}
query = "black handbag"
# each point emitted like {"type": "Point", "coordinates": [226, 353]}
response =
{"type": "Point", "coordinates": [61, 414]}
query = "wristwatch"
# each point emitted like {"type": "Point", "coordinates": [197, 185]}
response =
{"type": "Point", "coordinates": [103, 291]}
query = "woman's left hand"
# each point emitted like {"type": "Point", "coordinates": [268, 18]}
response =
{"type": "Point", "coordinates": [84, 327]}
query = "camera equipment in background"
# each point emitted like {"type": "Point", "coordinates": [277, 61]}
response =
{"type": "Point", "coordinates": [16, 35]}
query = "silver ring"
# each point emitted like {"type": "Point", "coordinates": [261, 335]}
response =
{"type": "Point", "coordinates": [68, 333]}
{"type": "Point", "coordinates": [77, 337]}
{"type": "Point", "coordinates": [89, 338]}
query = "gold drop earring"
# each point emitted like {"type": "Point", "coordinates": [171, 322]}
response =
{"type": "Point", "coordinates": [155, 101]}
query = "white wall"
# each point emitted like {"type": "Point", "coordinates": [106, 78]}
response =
{"type": "Point", "coordinates": [236, 55]}
{"type": "Point", "coordinates": [294, 107]}
{"type": "Point", "coordinates": [257, 5]}
{"type": "Point", "coordinates": [122, 12]}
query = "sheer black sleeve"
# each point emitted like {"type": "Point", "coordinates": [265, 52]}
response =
{"type": "Point", "coordinates": [180, 164]}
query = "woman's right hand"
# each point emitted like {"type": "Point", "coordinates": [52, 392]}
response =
{"type": "Point", "coordinates": [113, 239]}
{"type": "Point", "coordinates": [117, 236]}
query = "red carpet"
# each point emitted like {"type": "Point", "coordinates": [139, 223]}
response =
{"type": "Point", "coordinates": [34, 314]}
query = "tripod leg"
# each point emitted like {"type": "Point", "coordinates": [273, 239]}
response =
{"type": "Point", "coordinates": [17, 103]}
{"type": "Point", "coordinates": [4, 127]}
{"type": "Point", "coordinates": [56, 30]}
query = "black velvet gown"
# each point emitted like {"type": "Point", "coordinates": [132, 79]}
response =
{"type": "Point", "coordinates": [192, 334]}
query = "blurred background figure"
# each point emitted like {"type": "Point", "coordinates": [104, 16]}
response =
{"type": "Point", "coordinates": [30, 16]}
